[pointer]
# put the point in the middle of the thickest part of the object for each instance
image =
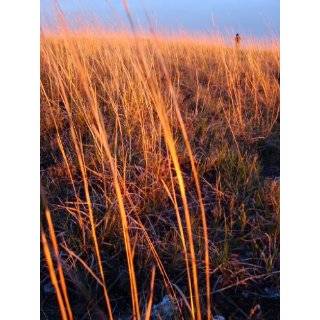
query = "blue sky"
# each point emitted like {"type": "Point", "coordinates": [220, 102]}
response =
{"type": "Point", "coordinates": [259, 18]}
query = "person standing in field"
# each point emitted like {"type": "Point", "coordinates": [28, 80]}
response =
{"type": "Point", "coordinates": [237, 40]}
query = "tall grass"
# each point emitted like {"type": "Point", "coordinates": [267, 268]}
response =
{"type": "Point", "coordinates": [134, 129]}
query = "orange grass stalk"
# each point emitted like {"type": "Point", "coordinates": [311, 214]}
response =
{"type": "Point", "coordinates": [53, 276]}
{"type": "Point", "coordinates": [183, 239]}
{"type": "Point", "coordinates": [148, 311]}
{"type": "Point", "coordinates": [56, 252]}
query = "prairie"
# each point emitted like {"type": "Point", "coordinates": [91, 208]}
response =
{"type": "Point", "coordinates": [159, 176]}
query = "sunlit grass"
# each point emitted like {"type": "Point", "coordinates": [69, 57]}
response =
{"type": "Point", "coordinates": [151, 160]}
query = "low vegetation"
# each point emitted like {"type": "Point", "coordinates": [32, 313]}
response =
{"type": "Point", "coordinates": [160, 177]}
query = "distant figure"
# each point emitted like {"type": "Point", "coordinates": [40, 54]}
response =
{"type": "Point", "coordinates": [237, 40]}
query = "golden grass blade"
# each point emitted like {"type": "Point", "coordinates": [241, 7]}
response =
{"type": "Point", "coordinates": [149, 306]}
{"type": "Point", "coordinates": [53, 276]}
{"type": "Point", "coordinates": [57, 255]}
{"type": "Point", "coordinates": [183, 241]}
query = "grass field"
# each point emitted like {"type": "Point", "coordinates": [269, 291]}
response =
{"type": "Point", "coordinates": [160, 177]}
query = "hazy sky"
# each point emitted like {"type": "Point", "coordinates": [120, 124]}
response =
{"type": "Point", "coordinates": [259, 18]}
